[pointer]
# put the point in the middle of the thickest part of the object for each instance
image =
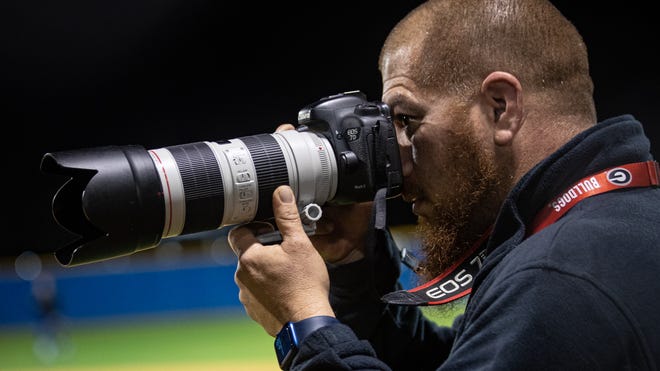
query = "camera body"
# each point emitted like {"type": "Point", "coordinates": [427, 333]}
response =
{"type": "Point", "coordinates": [123, 199]}
{"type": "Point", "coordinates": [364, 143]}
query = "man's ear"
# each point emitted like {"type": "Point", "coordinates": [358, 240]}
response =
{"type": "Point", "coordinates": [503, 98]}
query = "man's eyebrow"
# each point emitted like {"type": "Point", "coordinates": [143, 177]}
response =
{"type": "Point", "coordinates": [402, 102]}
{"type": "Point", "coordinates": [398, 100]}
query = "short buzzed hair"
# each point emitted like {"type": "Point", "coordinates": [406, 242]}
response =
{"type": "Point", "coordinates": [462, 41]}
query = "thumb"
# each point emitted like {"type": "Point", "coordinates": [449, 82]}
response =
{"type": "Point", "coordinates": [286, 213]}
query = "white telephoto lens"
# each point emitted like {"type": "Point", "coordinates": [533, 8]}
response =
{"type": "Point", "coordinates": [209, 185]}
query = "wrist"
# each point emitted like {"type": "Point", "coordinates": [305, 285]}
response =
{"type": "Point", "coordinates": [317, 308]}
{"type": "Point", "coordinates": [292, 334]}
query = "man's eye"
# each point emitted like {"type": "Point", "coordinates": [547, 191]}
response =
{"type": "Point", "coordinates": [408, 123]}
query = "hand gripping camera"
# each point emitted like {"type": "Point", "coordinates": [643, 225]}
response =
{"type": "Point", "coordinates": [124, 199]}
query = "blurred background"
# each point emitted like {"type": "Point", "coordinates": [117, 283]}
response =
{"type": "Point", "coordinates": [81, 74]}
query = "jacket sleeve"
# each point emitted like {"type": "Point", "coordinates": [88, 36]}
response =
{"type": "Point", "coordinates": [399, 336]}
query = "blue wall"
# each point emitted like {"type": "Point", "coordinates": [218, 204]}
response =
{"type": "Point", "coordinates": [163, 280]}
{"type": "Point", "coordinates": [80, 296]}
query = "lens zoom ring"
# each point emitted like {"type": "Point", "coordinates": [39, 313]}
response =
{"type": "Point", "coordinates": [271, 169]}
{"type": "Point", "coordinates": [202, 185]}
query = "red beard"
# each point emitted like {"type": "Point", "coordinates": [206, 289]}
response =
{"type": "Point", "coordinates": [463, 214]}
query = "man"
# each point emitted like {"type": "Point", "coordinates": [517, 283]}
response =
{"type": "Point", "coordinates": [504, 162]}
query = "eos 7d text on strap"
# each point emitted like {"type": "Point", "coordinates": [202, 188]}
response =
{"type": "Point", "coordinates": [452, 284]}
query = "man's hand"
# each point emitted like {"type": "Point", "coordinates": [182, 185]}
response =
{"type": "Point", "coordinates": [341, 233]}
{"type": "Point", "coordinates": [285, 282]}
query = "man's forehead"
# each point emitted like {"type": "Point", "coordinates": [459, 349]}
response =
{"type": "Point", "coordinates": [398, 60]}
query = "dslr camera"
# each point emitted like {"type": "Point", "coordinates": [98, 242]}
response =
{"type": "Point", "coordinates": [122, 199]}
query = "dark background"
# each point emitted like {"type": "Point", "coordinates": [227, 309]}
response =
{"type": "Point", "coordinates": [157, 73]}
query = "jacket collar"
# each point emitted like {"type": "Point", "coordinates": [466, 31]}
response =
{"type": "Point", "coordinates": [612, 142]}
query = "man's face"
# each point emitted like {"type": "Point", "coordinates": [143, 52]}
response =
{"type": "Point", "coordinates": [450, 174]}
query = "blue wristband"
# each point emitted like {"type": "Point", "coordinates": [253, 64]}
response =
{"type": "Point", "coordinates": [288, 340]}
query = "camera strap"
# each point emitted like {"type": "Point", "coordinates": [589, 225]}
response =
{"type": "Point", "coordinates": [380, 209]}
{"type": "Point", "coordinates": [638, 174]}
{"type": "Point", "coordinates": [456, 281]}
{"type": "Point", "coordinates": [380, 223]}
{"type": "Point", "coordinates": [452, 284]}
